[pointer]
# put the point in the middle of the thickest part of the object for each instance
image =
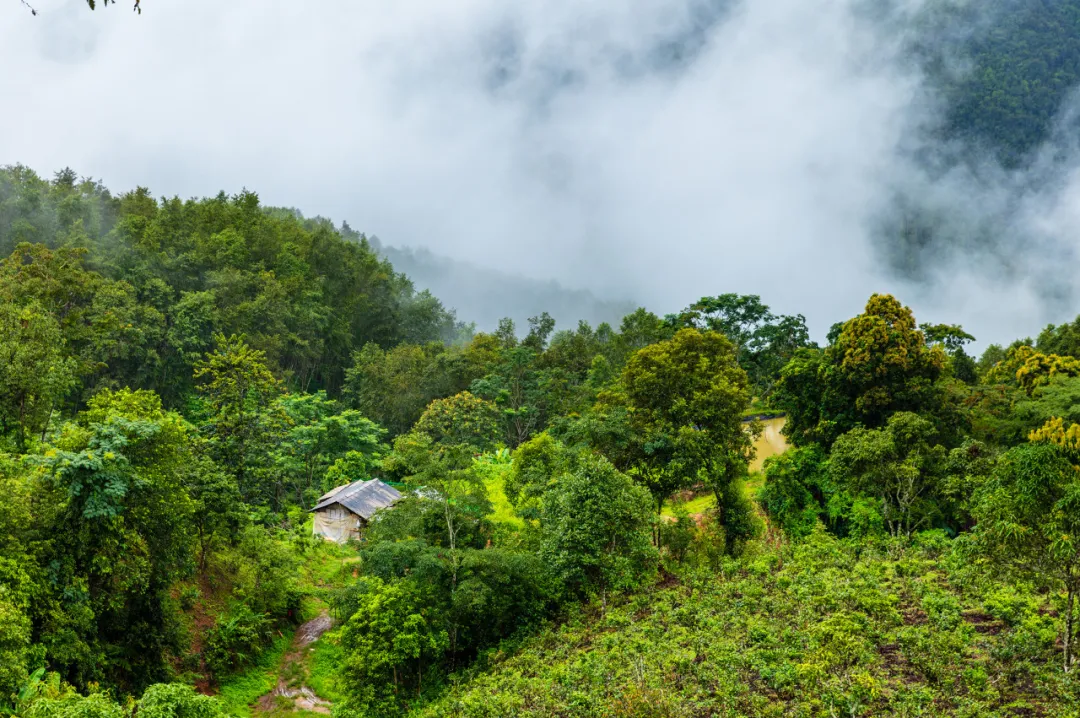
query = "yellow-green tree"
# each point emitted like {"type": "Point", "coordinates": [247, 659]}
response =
{"type": "Point", "coordinates": [879, 364]}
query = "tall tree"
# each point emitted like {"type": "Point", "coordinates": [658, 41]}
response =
{"type": "Point", "coordinates": [878, 365]}
{"type": "Point", "coordinates": [239, 391]}
{"type": "Point", "coordinates": [685, 399]}
{"type": "Point", "coordinates": [35, 372]}
{"type": "Point", "coordinates": [900, 466]}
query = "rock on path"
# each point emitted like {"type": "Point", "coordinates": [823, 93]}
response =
{"type": "Point", "coordinates": [303, 698]}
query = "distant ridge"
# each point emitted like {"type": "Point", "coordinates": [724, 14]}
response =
{"type": "Point", "coordinates": [485, 295]}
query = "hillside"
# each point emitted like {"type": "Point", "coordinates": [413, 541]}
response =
{"type": "Point", "coordinates": [823, 628]}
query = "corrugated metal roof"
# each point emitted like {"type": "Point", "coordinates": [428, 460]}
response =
{"type": "Point", "coordinates": [363, 498]}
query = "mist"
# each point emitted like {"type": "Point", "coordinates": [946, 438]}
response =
{"type": "Point", "coordinates": [649, 151]}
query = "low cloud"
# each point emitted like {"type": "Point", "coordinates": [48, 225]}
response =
{"type": "Point", "coordinates": [653, 150]}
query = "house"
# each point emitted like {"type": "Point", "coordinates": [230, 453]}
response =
{"type": "Point", "coordinates": [342, 514]}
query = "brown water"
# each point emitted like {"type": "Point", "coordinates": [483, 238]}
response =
{"type": "Point", "coordinates": [770, 443]}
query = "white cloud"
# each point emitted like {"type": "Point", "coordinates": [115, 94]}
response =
{"type": "Point", "coordinates": [555, 138]}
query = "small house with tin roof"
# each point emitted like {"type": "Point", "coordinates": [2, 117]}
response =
{"type": "Point", "coordinates": [342, 513]}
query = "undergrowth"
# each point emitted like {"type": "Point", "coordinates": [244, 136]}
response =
{"type": "Point", "coordinates": [822, 629]}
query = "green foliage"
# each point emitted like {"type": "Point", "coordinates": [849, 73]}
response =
{"type": "Point", "coordinates": [175, 700]}
{"type": "Point", "coordinates": [1028, 515]}
{"type": "Point", "coordinates": [37, 375]}
{"type": "Point", "coordinates": [240, 392]}
{"type": "Point", "coordinates": [388, 643]}
{"type": "Point", "coordinates": [900, 467]}
{"type": "Point", "coordinates": [596, 529]}
{"type": "Point", "coordinates": [536, 463]}
{"type": "Point", "coordinates": [462, 419]}
{"type": "Point", "coordinates": [318, 436]}
{"type": "Point", "coordinates": [795, 489]}
{"type": "Point", "coordinates": [264, 574]}
{"type": "Point", "coordinates": [120, 538]}
{"type": "Point", "coordinates": [677, 534]}
{"type": "Point", "coordinates": [236, 640]}
{"type": "Point", "coordinates": [394, 386]}
{"type": "Point", "coordinates": [879, 364]}
{"type": "Point", "coordinates": [685, 399]}
{"type": "Point", "coordinates": [765, 342]}
{"type": "Point", "coordinates": [498, 592]}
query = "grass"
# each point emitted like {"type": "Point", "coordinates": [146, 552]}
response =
{"type": "Point", "coordinates": [697, 505]}
{"type": "Point", "coordinates": [239, 691]}
{"type": "Point", "coordinates": [324, 565]}
{"type": "Point", "coordinates": [322, 662]}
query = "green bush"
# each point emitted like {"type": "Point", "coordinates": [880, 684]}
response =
{"type": "Point", "coordinates": [597, 529]}
{"type": "Point", "coordinates": [236, 640]}
{"type": "Point", "coordinates": [176, 700]}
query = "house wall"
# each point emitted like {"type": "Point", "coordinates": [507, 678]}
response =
{"type": "Point", "coordinates": [337, 523]}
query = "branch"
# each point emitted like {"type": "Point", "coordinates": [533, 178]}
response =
{"type": "Point", "coordinates": [93, 4]}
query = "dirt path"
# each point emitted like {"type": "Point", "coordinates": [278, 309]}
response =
{"type": "Point", "coordinates": [770, 443]}
{"type": "Point", "coordinates": [292, 695]}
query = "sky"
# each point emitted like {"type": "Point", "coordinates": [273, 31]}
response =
{"type": "Point", "coordinates": [650, 150]}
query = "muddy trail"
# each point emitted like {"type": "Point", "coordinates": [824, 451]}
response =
{"type": "Point", "coordinates": [290, 694]}
{"type": "Point", "coordinates": [770, 443]}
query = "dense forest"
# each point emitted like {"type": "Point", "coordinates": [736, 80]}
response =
{"type": "Point", "coordinates": [584, 528]}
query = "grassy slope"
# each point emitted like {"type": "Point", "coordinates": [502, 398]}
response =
{"type": "Point", "coordinates": [322, 568]}
{"type": "Point", "coordinates": [822, 629]}
{"type": "Point", "coordinates": [239, 691]}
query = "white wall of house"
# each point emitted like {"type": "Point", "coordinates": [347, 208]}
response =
{"type": "Point", "coordinates": [336, 523]}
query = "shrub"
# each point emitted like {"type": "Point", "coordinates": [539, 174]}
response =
{"type": "Point", "coordinates": [236, 640]}
{"type": "Point", "coordinates": [596, 526]}
{"type": "Point", "coordinates": [176, 700]}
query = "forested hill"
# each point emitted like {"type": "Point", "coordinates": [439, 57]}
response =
{"type": "Point", "coordinates": [1005, 70]}
{"type": "Point", "coordinates": [580, 522]}
{"type": "Point", "coordinates": [139, 287]}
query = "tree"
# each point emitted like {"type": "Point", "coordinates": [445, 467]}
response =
{"type": "Point", "coordinates": [536, 463]}
{"type": "Point", "coordinates": [461, 420]}
{"type": "Point", "coordinates": [105, 329]}
{"type": "Point", "coordinates": [239, 391]}
{"type": "Point", "coordinates": [520, 389]}
{"type": "Point", "coordinates": [685, 398]}
{"type": "Point", "coordinates": [437, 457]}
{"type": "Point", "coordinates": [952, 338]}
{"type": "Point", "coordinates": [596, 529]}
{"type": "Point", "coordinates": [394, 386]}
{"type": "Point", "coordinates": [879, 364]}
{"type": "Point", "coordinates": [764, 342]}
{"type": "Point", "coordinates": [317, 436]}
{"type": "Point", "coordinates": [387, 643]}
{"type": "Point", "coordinates": [1028, 522]}
{"type": "Point", "coordinates": [119, 521]}
{"type": "Point", "coordinates": [794, 492]}
{"type": "Point", "coordinates": [35, 372]}
{"type": "Point", "coordinates": [900, 466]}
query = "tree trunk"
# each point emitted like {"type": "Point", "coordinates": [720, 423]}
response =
{"type": "Point", "coordinates": [1069, 622]}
